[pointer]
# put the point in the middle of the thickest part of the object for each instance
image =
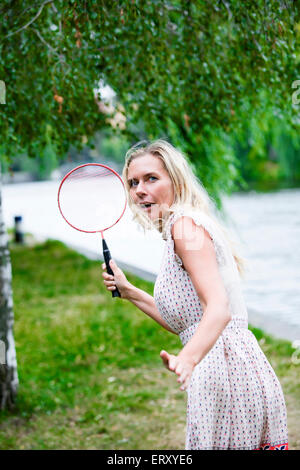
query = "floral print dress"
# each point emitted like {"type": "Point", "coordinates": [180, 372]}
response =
{"type": "Point", "coordinates": [234, 399]}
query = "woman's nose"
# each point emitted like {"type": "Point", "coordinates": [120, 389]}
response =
{"type": "Point", "coordinates": [140, 189]}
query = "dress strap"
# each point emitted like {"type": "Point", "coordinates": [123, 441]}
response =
{"type": "Point", "coordinates": [201, 219]}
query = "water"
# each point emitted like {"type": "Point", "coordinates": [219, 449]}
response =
{"type": "Point", "coordinates": [267, 227]}
{"type": "Point", "coordinates": [37, 204]}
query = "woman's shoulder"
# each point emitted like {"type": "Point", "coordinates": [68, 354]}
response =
{"type": "Point", "coordinates": [183, 214]}
{"type": "Point", "coordinates": [198, 216]}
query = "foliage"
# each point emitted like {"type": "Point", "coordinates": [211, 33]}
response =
{"type": "Point", "coordinates": [191, 63]}
{"type": "Point", "coordinates": [212, 159]}
{"type": "Point", "coordinates": [268, 148]}
{"type": "Point", "coordinates": [41, 167]}
{"type": "Point", "coordinates": [111, 146]}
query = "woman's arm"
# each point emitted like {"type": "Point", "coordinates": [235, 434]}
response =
{"type": "Point", "coordinates": [196, 249]}
{"type": "Point", "coordinates": [141, 299]}
{"type": "Point", "coordinates": [145, 302]}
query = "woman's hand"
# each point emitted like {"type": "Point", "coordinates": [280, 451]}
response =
{"type": "Point", "coordinates": [117, 279]}
{"type": "Point", "coordinates": [182, 365]}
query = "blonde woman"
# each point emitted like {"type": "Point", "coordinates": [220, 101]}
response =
{"type": "Point", "coordinates": [235, 400]}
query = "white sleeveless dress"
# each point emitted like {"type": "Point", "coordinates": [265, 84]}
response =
{"type": "Point", "coordinates": [235, 400]}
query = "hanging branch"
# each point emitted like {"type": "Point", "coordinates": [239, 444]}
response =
{"type": "Point", "coordinates": [31, 21]}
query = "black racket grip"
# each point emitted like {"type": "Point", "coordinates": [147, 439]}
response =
{"type": "Point", "coordinates": [107, 258]}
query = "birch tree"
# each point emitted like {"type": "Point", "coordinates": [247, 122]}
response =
{"type": "Point", "coordinates": [8, 362]}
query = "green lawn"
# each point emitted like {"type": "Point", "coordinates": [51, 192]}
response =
{"type": "Point", "coordinates": [89, 367]}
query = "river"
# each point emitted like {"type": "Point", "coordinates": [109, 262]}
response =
{"type": "Point", "coordinates": [266, 226]}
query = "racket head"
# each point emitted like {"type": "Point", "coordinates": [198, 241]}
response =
{"type": "Point", "coordinates": [91, 198]}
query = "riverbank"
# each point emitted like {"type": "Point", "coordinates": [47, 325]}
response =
{"type": "Point", "coordinates": [266, 226]}
{"type": "Point", "coordinates": [77, 390]}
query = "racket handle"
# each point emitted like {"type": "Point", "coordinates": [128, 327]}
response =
{"type": "Point", "coordinates": [107, 258]}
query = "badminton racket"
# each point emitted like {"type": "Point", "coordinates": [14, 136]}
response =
{"type": "Point", "coordinates": [91, 199]}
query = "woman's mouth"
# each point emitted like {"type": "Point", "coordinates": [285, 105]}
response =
{"type": "Point", "coordinates": [147, 205]}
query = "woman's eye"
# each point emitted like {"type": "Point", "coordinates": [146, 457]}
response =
{"type": "Point", "coordinates": [133, 183]}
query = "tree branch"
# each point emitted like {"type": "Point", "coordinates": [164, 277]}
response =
{"type": "Point", "coordinates": [31, 21]}
{"type": "Point", "coordinates": [56, 11]}
{"type": "Point", "coordinates": [45, 42]}
{"type": "Point", "coordinates": [228, 9]}
{"type": "Point", "coordinates": [27, 9]}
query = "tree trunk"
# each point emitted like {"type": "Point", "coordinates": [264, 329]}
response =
{"type": "Point", "coordinates": [8, 360]}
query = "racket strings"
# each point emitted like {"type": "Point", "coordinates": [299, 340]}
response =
{"type": "Point", "coordinates": [91, 174]}
{"type": "Point", "coordinates": [92, 198]}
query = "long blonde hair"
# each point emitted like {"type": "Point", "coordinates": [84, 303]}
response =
{"type": "Point", "coordinates": [188, 189]}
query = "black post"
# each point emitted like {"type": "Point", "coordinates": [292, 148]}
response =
{"type": "Point", "coordinates": [19, 236]}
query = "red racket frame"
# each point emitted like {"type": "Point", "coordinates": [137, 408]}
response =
{"type": "Point", "coordinates": [77, 168]}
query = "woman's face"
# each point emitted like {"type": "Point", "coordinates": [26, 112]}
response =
{"type": "Point", "coordinates": [151, 187]}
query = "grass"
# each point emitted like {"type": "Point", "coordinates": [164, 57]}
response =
{"type": "Point", "coordinates": [89, 367]}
